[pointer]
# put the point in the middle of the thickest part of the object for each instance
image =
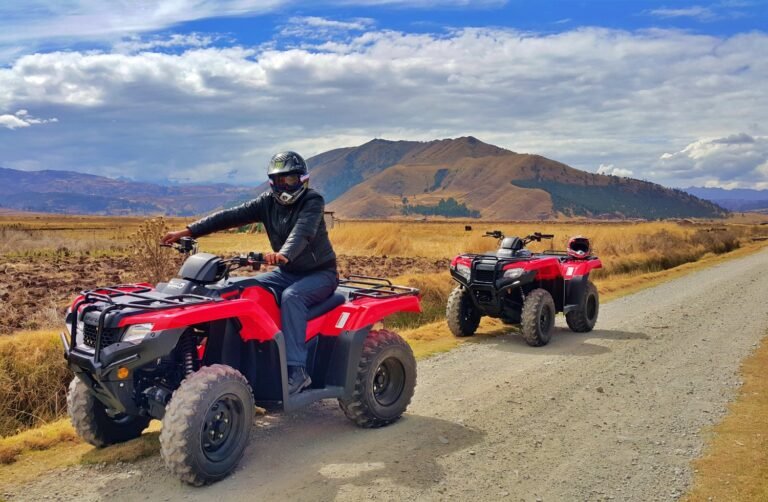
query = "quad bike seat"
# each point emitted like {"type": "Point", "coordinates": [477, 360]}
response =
{"type": "Point", "coordinates": [326, 305]}
{"type": "Point", "coordinates": [511, 247]}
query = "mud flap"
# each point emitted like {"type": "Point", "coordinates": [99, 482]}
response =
{"type": "Point", "coordinates": [574, 292]}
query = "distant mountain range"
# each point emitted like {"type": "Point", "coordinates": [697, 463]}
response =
{"type": "Point", "coordinates": [737, 199]}
{"type": "Point", "coordinates": [77, 193]}
{"type": "Point", "coordinates": [461, 177]}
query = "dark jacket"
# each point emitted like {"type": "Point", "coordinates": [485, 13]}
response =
{"type": "Point", "coordinates": [296, 231]}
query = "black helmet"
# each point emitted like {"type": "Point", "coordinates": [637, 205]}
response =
{"type": "Point", "coordinates": [284, 165]}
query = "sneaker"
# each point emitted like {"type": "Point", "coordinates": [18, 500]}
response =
{"type": "Point", "coordinates": [298, 379]}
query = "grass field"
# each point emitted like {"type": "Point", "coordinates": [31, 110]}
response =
{"type": "Point", "coordinates": [413, 253]}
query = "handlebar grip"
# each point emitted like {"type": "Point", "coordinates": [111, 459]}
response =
{"type": "Point", "coordinates": [547, 236]}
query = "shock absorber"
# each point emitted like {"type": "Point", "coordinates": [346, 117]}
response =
{"type": "Point", "coordinates": [188, 349]}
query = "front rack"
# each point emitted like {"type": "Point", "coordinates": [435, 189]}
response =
{"type": "Point", "coordinates": [143, 301]}
{"type": "Point", "coordinates": [364, 286]}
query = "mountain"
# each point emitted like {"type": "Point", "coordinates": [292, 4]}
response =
{"type": "Point", "coordinates": [461, 177]}
{"type": "Point", "coordinates": [336, 171]}
{"type": "Point", "coordinates": [465, 177]}
{"type": "Point", "coordinates": [737, 199]}
{"type": "Point", "coordinates": [77, 193]}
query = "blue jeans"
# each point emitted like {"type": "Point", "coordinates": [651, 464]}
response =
{"type": "Point", "coordinates": [297, 293]}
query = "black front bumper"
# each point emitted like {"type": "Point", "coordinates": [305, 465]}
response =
{"type": "Point", "coordinates": [487, 295]}
{"type": "Point", "coordinates": [100, 374]}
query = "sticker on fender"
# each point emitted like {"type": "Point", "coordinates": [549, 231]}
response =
{"type": "Point", "coordinates": [342, 320]}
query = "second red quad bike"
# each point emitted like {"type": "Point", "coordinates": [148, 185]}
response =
{"type": "Point", "coordinates": [200, 351]}
{"type": "Point", "coordinates": [525, 288]}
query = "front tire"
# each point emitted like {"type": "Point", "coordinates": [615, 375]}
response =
{"type": "Point", "coordinates": [206, 425]}
{"type": "Point", "coordinates": [538, 317]}
{"type": "Point", "coordinates": [92, 422]}
{"type": "Point", "coordinates": [583, 319]}
{"type": "Point", "coordinates": [386, 378]}
{"type": "Point", "coordinates": [461, 313]}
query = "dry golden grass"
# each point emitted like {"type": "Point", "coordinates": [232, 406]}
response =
{"type": "Point", "coordinates": [32, 453]}
{"type": "Point", "coordinates": [40, 438]}
{"type": "Point", "coordinates": [735, 463]}
{"type": "Point", "coordinates": [33, 380]}
{"type": "Point", "coordinates": [146, 445]}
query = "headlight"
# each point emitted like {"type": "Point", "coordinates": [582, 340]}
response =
{"type": "Point", "coordinates": [136, 333]}
{"type": "Point", "coordinates": [79, 337]}
{"type": "Point", "coordinates": [513, 273]}
{"type": "Point", "coordinates": [463, 270]}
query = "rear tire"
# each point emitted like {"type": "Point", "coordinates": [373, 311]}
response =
{"type": "Point", "coordinates": [461, 313]}
{"type": "Point", "coordinates": [206, 425]}
{"type": "Point", "coordinates": [538, 317]}
{"type": "Point", "coordinates": [584, 318]}
{"type": "Point", "coordinates": [93, 424]}
{"type": "Point", "coordinates": [386, 378]}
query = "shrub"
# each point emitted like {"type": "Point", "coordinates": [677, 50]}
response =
{"type": "Point", "coordinates": [154, 262]}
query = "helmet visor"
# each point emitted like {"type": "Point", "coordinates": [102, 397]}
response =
{"type": "Point", "coordinates": [287, 182]}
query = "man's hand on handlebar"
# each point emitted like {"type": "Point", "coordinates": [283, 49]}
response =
{"type": "Point", "coordinates": [172, 237]}
{"type": "Point", "coordinates": [275, 258]}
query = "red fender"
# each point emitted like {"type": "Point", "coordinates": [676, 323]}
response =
{"type": "Point", "coordinates": [576, 268]}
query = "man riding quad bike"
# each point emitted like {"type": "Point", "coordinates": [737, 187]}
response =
{"type": "Point", "coordinates": [199, 351]}
{"type": "Point", "coordinates": [524, 288]}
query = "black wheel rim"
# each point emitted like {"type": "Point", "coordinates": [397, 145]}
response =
{"type": "Point", "coordinates": [591, 307]}
{"type": "Point", "coordinates": [388, 382]}
{"type": "Point", "coordinates": [221, 428]}
{"type": "Point", "coordinates": [545, 319]}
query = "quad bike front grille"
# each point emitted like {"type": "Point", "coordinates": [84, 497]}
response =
{"type": "Point", "coordinates": [484, 275]}
{"type": "Point", "coordinates": [108, 337]}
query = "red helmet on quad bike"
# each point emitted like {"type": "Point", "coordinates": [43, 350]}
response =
{"type": "Point", "coordinates": [578, 247]}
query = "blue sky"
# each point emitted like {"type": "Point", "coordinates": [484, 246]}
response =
{"type": "Point", "coordinates": [196, 91]}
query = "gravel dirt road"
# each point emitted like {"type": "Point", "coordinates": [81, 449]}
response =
{"type": "Point", "coordinates": [616, 414]}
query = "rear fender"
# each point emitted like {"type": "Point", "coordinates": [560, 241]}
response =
{"type": "Point", "coordinates": [360, 313]}
{"type": "Point", "coordinates": [576, 268]}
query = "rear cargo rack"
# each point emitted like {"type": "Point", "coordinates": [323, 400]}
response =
{"type": "Point", "coordinates": [138, 299]}
{"type": "Point", "coordinates": [374, 287]}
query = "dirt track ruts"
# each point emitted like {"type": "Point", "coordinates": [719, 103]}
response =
{"type": "Point", "coordinates": [613, 414]}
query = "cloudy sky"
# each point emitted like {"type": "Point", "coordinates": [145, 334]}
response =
{"type": "Point", "coordinates": [673, 92]}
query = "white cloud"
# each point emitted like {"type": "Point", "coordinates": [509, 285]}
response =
{"type": "Point", "coordinates": [175, 41]}
{"type": "Point", "coordinates": [585, 97]}
{"type": "Point", "coordinates": [317, 28]}
{"type": "Point", "coordinates": [613, 170]}
{"type": "Point", "coordinates": [695, 12]}
{"type": "Point", "coordinates": [737, 160]}
{"type": "Point", "coordinates": [22, 119]}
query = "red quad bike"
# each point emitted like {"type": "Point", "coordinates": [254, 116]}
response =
{"type": "Point", "coordinates": [524, 288]}
{"type": "Point", "coordinates": [200, 351]}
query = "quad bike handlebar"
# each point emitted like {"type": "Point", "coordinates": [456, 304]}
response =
{"type": "Point", "coordinates": [536, 236]}
{"type": "Point", "coordinates": [185, 245]}
{"type": "Point", "coordinates": [188, 246]}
